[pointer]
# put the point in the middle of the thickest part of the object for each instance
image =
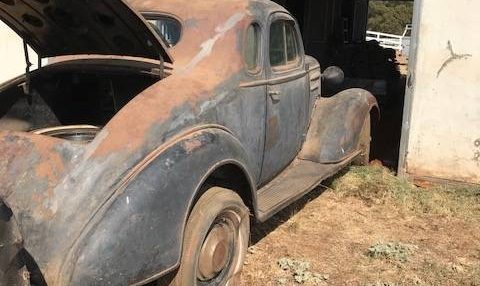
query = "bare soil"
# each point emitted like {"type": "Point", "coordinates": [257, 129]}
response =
{"type": "Point", "coordinates": [333, 232]}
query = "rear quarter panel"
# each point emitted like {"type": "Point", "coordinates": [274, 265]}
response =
{"type": "Point", "coordinates": [139, 233]}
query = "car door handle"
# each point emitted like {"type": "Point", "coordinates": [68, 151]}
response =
{"type": "Point", "coordinates": [274, 95]}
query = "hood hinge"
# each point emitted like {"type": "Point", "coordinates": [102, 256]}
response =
{"type": "Point", "coordinates": [26, 85]}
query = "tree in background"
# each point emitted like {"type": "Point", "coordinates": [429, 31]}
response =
{"type": "Point", "coordinates": [389, 16]}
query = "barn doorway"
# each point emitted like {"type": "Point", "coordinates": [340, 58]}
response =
{"type": "Point", "coordinates": [336, 32]}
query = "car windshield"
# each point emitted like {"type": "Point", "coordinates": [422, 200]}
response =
{"type": "Point", "coordinates": [167, 27]}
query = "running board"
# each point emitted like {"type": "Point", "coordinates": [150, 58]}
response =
{"type": "Point", "coordinates": [298, 179]}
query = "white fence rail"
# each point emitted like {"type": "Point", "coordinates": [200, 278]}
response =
{"type": "Point", "coordinates": [386, 40]}
{"type": "Point", "coordinates": [400, 43]}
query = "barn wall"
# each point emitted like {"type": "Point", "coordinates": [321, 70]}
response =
{"type": "Point", "coordinates": [11, 54]}
{"type": "Point", "coordinates": [441, 136]}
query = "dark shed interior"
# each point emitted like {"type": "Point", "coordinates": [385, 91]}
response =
{"type": "Point", "coordinates": [334, 32]}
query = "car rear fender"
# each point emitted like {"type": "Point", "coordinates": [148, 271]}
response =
{"type": "Point", "coordinates": [137, 236]}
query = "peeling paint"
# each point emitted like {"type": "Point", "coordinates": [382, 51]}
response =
{"type": "Point", "coordinates": [207, 46]}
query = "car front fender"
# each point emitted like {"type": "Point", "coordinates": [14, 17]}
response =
{"type": "Point", "coordinates": [138, 234]}
{"type": "Point", "coordinates": [336, 125]}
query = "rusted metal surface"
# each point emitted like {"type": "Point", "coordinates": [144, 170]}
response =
{"type": "Point", "coordinates": [216, 251]}
{"type": "Point", "coordinates": [143, 170]}
{"type": "Point", "coordinates": [332, 143]}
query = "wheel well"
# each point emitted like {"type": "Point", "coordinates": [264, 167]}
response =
{"type": "Point", "coordinates": [374, 121]}
{"type": "Point", "coordinates": [233, 177]}
{"type": "Point", "coordinates": [374, 115]}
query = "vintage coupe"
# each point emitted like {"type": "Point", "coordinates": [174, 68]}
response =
{"type": "Point", "coordinates": [156, 133]}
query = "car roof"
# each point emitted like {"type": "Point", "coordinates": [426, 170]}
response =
{"type": "Point", "coordinates": [184, 9]}
{"type": "Point", "coordinates": [202, 19]}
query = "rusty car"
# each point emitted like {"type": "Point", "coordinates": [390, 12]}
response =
{"type": "Point", "coordinates": [156, 133]}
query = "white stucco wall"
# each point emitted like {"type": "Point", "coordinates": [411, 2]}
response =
{"type": "Point", "coordinates": [442, 122]}
{"type": "Point", "coordinates": [12, 60]}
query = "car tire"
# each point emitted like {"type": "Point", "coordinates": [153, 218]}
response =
{"type": "Point", "coordinates": [363, 159]}
{"type": "Point", "coordinates": [215, 241]}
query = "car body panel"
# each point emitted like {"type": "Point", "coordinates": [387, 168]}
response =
{"type": "Point", "coordinates": [169, 182]}
{"type": "Point", "coordinates": [123, 143]}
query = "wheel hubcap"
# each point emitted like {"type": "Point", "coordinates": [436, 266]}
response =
{"type": "Point", "coordinates": [216, 251]}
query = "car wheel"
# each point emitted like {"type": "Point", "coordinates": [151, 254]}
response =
{"type": "Point", "coordinates": [364, 144]}
{"type": "Point", "coordinates": [215, 241]}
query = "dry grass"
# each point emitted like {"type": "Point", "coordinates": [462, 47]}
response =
{"type": "Point", "coordinates": [378, 185]}
{"type": "Point", "coordinates": [336, 231]}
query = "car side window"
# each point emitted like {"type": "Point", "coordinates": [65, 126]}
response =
{"type": "Point", "coordinates": [291, 42]}
{"type": "Point", "coordinates": [277, 44]}
{"type": "Point", "coordinates": [252, 48]}
{"type": "Point", "coordinates": [283, 43]}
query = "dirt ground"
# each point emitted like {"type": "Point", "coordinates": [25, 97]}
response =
{"type": "Point", "coordinates": [333, 238]}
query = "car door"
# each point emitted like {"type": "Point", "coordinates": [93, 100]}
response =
{"type": "Point", "coordinates": [288, 96]}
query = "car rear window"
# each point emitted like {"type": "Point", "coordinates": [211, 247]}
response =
{"type": "Point", "coordinates": [168, 28]}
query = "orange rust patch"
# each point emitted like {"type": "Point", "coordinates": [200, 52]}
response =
{"type": "Point", "coordinates": [51, 164]}
{"type": "Point", "coordinates": [129, 129]}
{"type": "Point", "coordinates": [23, 153]}
{"type": "Point", "coordinates": [8, 152]}
{"type": "Point", "coordinates": [192, 144]}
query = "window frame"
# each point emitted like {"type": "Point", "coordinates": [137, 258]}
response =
{"type": "Point", "coordinates": [259, 68]}
{"type": "Point", "coordinates": [298, 62]}
{"type": "Point", "coordinates": [151, 15]}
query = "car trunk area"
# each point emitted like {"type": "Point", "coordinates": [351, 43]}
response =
{"type": "Point", "coordinates": [70, 95]}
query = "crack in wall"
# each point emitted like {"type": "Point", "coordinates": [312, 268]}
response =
{"type": "Point", "coordinates": [453, 57]}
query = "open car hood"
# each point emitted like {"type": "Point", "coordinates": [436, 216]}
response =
{"type": "Point", "coordinates": [72, 27]}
